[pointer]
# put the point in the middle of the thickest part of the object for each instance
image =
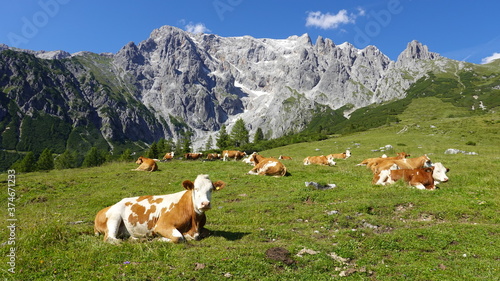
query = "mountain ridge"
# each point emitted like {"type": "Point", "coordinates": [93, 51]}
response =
{"type": "Point", "coordinates": [177, 83]}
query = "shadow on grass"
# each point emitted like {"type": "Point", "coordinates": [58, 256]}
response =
{"type": "Point", "coordinates": [231, 236]}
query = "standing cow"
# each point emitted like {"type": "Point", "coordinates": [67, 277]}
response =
{"type": "Point", "coordinates": [174, 217]}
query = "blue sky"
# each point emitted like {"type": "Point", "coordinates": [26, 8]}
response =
{"type": "Point", "coordinates": [461, 30]}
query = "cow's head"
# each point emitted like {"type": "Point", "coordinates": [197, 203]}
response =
{"type": "Point", "coordinates": [402, 155]}
{"type": "Point", "coordinates": [439, 173]}
{"type": "Point", "coordinates": [347, 153]}
{"type": "Point", "coordinates": [202, 192]}
{"type": "Point", "coordinates": [330, 161]}
{"type": "Point", "coordinates": [139, 160]}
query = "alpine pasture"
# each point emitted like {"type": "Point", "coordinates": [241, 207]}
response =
{"type": "Point", "coordinates": [267, 228]}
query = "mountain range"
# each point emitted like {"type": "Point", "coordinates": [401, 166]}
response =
{"type": "Point", "coordinates": [176, 82]}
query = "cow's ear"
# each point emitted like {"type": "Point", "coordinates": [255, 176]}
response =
{"type": "Point", "coordinates": [219, 185]}
{"type": "Point", "coordinates": [189, 185]}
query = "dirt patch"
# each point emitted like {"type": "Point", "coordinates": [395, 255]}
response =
{"type": "Point", "coordinates": [280, 254]}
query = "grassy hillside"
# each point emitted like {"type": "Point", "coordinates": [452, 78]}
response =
{"type": "Point", "coordinates": [358, 230]}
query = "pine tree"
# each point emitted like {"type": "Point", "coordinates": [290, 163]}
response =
{"type": "Point", "coordinates": [67, 160]}
{"type": "Point", "coordinates": [45, 161]}
{"type": "Point", "coordinates": [259, 136]}
{"type": "Point", "coordinates": [126, 156]}
{"type": "Point", "coordinates": [223, 139]}
{"type": "Point", "coordinates": [153, 151]}
{"type": "Point", "coordinates": [239, 133]}
{"type": "Point", "coordinates": [93, 158]}
{"type": "Point", "coordinates": [27, 164]}
{"type": "Point", "coordinates": [209, 143]}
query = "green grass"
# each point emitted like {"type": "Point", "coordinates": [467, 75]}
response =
{"type": "Point", "coordinates": [383, 232]}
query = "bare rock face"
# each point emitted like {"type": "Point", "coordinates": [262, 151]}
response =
{"type": "Point", "coordinates": [203, 81]}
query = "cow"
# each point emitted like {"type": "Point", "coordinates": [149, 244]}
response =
{"type": "Point", "coordinates": [421, 178]}
{"type": "Point", "coordinates": [168, 156]}
{"type": "Point", "coordinates": [369, 162]}
{"type": "Point", "coordinates": [192, 156]}
{"type": "Point", "coordinates": [319, 160]}
{"type": "Point", "coordinates": [343, 155]}
{"type": "Point", "coordinates": [173, 217]}
{"type": "Point", "coordinates": [213, 156]}
{"type": "Point", "coordinates": [406, 163]}
{"type": "Point", "coordinates": [234, 154]}
{"type": "Point", "coordinates": [146, 164]}
{"type": "Point", "coordinates": [267, 166]}
{"type": "Point", "coordinates": [282, 157]}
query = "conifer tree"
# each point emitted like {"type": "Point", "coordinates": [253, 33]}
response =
{"type": "Point", "coordinates": [239, 133]}
{"type": "Point", "coordinates": [93, 158]}
{"type": "Point", "coordinates": [126, 156]}
{"type": "Point", "coordinates": [259, 136]}
{"type": "Point", "coordinates": [45, 161]}
{"type": "Point", "coordinates": [67, 160]}
{"type": "Point", "coordinates": [223, 139]}
{"type": "Point", "coordinates": [27, 164]}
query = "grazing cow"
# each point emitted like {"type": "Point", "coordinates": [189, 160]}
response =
{"type": "Point", "coordinates": [406, 163]}
{"type": "Point", "coordinates": [213, 156]}
{"type": "Point", "coordinates": [234, 154]}
{"type": "Point", "coordinates": [267, 166]}
{"type": "Point", "coordinates": [175, 217]}
{"type": "Point", "coordinates": [419, 178]}
{"type": "Point", "coordinates": [192, 156]}
{"type": "Point", "coordinates": [343, 155]}
{"type": "Point", "coordinates": [282, 157]}
{"type": "Point", "coordinates": [146, 164]}
{"type": "Point", "coordinates": [319, 160]}
{"type": "Point", "coordinates": [369, 162]}
{"type": "Point", "coordinates": [169, 156]}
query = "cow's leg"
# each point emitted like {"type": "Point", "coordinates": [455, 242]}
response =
{"type": "Point", "coordinates": [170, 234]}
{"type": "Point", "coordinates": [113, 225]}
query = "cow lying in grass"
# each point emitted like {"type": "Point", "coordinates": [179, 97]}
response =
{"type": "Point", "coordinates": [146, 164]}
{"type": "Point", "coordinates": [421, 178]}
{"type": "Point", "coordinates": [174, 217]}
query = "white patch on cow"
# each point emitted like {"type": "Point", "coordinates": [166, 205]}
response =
{"type": "Point", "coordinates": [420, 186]}
{"type": "Point", "coordinates": [384, 177]}
{"type": "Point", "coordinates": [202, 193]}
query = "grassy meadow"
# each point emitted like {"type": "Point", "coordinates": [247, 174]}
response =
{"type": "Point", "coordinates": [266, 228]}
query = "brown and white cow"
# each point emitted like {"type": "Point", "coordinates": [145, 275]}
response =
{"type": "Point", "coordinates": [319, 160]}
{"type": "Point", "coordinates": [146, 164]}
{"type": "Point", "coordinates": [174, 217]}
{"type": "Point", "coordinates": [169, 156]}
{"type": "Point", "coordinates": [369, 162]}
{"type": "Point", "coordinates": [283, 157]}
{"type": "Point", "coordinates": [405, 163]}
{"type": "Point", "coordinates": [439, 173]}
{"type": "Point", "coordinates": [267, 166]}
{"type": "Point", "coordinates": [213, 156]}
{"type": "Point", "coordinates": [232, 154]}
{"type": "Point", "coordinates": [421, 178]}
{"type": "Point", "coordinates": [192, 156]}
{"type": "Point", "coordinates": [343, 155]}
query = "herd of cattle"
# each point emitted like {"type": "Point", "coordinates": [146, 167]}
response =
{"type": "Point", "coordinates": [181, 216]}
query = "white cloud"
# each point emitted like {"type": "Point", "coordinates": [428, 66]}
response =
{"type": "Point", "coordinates": [491, 58]}
{"type": "Point", "coordinates": [332, 21]}
{"type": "Point", "coordinates": [196, 28]}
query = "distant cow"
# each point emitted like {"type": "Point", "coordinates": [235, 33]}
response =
{"type": "Point", "coordinates": [192, 156]}
{"type": "Point", "coordinates": [282, 157]}
{"type": "Point", "coordinates": [319, 160]}
{"type": "Point", "coordinates": [213, 156]}
{"type": "Point", "coordinates": [419, 178]}
{"type": "Point", "coordinates": [369, 162]}
{"type": "Point", "coordinates": [232, 154]}
{"type": "Point", "coordinates": [175, 217]}
{"type": "Point", "coordinates": [146, 164]}
{"type": "Point", "coordinates": [267, 166]}
{"type": "Point", "coordinates": [343, 155]}
{"type": "Point", "coordinates": [406, 163]}
{"type": "Point", "coordinates": [169, 156]}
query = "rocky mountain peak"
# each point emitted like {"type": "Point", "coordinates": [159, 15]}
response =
{"type": "Point", "coordinates": [417, 51]}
